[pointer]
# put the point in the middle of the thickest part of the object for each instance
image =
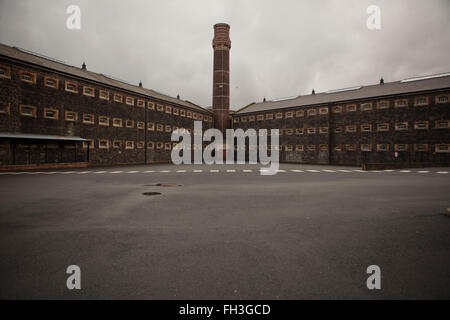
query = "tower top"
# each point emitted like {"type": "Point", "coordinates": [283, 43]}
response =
{"type": "Point", "coordinates": [221, 37]}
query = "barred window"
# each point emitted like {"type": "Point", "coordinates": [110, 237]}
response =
{"type": "Point", "coordinates": [71, 116]}
{"type": "Point", "coordinates": [421, 101]}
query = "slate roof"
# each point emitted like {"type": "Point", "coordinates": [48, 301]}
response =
{"type": "Point", "coordinates": [49, 63]}
{"type": "Point", "coordinates": [419, 84]}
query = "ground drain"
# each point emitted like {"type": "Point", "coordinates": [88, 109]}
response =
{"type": "Point", "coordinates": [151, 193]}
{"type": "Point", "coordinates": [164, 185]}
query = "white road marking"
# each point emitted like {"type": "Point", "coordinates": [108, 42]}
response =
{"type": "Point", "coordinates": [388, 170]}
{"type": "Point", "coordinates": [279, 170]}
{"type": "Point", "coordinates": [231, 171]}
{"type": "Point", "coordinates": [67, 172]}
{"type": "Point", "coordinates": [328, 170]}
{"type": "Point", "coordinates": [149, 171]}
{"type": "Point", "coordinates": [132, 171]}
{"type": "Point", "coordinates": [198, 171]}
{"type": "Point", "coordinates": [423, 171]}
{"type": "Point", "coordinates": [359, 171]}
{"type": "Point", "coordinates": [50, 173]}
{"type": "Point", "coordinates": [165, 171]}
{"type": "Point", "coordinates": [297, 171]}
{"type": "Point", "coordinates": [115, 172]}
{"type": "Point", "coordinates": [247, 170]}
{"type": "Point", "coordinates": [83, 172]}
{"type": "Point", "coordinates": [313, 170]}
{"type": "Point", "coordinates": [405, 171]}
{"type": "Point", "coordinates": [99, 172]}
{"type": "Point", "coordinates": [346, 171]}
{"type": "Point", "coordinates": [181, 171]}
{"type": "Point", "coordinates": [442, 172]}
{"type": "Point", "coordinates": [214, 171]}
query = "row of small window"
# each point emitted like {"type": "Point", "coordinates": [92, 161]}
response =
{"type": "Point", "coordinates": [70, 86]}
{"type": "Point", "coordinates": [381, 105]}
{"type": "Point", "coordinates": [129, 145]}
{"type": "Point", "coordinates": [439, 148]}
{"type": "Point", "coordinates": [381, 127]}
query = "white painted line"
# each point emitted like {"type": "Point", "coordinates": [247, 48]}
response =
{"type": "Point", "coordinates": [281, 170]}
{"type": "Point", "coordinates": [297, 171]}
{"type": "Point", "coordinates": [115, 172]}
{"type": "Point", "coordinates": [214, 171]}
{"type": "Point", "coordinates": [442, 172]}
{"type": "Point", "coordinates": [132, 171]}
{"type": "Point", "coordinates": [388, 170]}
{"type": "Point", "coordinates": [362, 171]}
{"type": "Point", "coordinates": [405, 171]}
{"type": "Point", "coordinates": [198, 171]}
{"type": "Point", "coordinates": [313, 170]}
{"type": "Point", "coordinates": [99, 172]}
{"type": "Point", "coordinates": [181, 171]}
{"type": "Point", "coordinates": [376, 171]}
{"type": "Point", "coordinates": [33, 173]}
{"type": "Point", "coordinates": [165, 171]}
{"type": "Point", "coordinates": [346, 171]}
{"type": "Point", "coordinates": [84, 172]}
{"type": "Point", "coordinates": [50, 173]}
{"type": "Point", "coordinates": [328, 170]}
{"type": "Point", "coordinates": [247, 170]}
{"type": "Point", "coordinates": [423, 172]}
{"type": "Point", "coordinates": [231, 171]}
{"type": "Point", "coordinates": [67, 172]}
{"type": "Point", "coordinates": [149, 171]}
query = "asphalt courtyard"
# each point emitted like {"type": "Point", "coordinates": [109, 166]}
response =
{"type": "Point", "coordinates": [225, 232]}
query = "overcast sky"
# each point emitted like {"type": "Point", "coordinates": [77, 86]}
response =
{"type": "Point", "coordinates": [279, 48]}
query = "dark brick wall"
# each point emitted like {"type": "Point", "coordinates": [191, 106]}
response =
{"type": "Point", "coordinates": [14, 93]}
{"type": "Point", "coordinates": [411, 114]}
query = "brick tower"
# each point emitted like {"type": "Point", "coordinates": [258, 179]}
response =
{"type": "Point", "coordinates": [221, 79]}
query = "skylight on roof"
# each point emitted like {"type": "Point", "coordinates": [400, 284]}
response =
{"type": "Point", "coordinates": [344, 89]}
{"type": "Point", "coordinates": [284, 99]}
{"type": "Point", "coordinates": [426, 77]}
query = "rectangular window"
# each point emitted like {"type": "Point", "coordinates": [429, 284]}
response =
{"type": "Point", "coordinates": [194, 116]}
{"type": "Point", "coordinates": [5, 72]}
{"type": "Point", "coordinates": [312, 148]}
{"type": "Point", "coordinates": [299, 147]}
{"type": "Point", "coordinates": [311, 112]}
{"type": "Point", "coordinates": [337, 109]}
{"type": "Point", "coordinates": [129, 123]}
{"type": "Point", "coordinates": [140, 144]}
{"type": "Point", "coordinates": [243, 119]}
{"type": "Point", "coordinates": [118, 98]}
{"type": "Point", "coordinates": [182, 113]}
{"type": "Point", "coordinates": [159, 107]}
{"type": "Point", "coordinates": [129, 101]}
{"type": "Point", "coordinates": [300, 113]}
{"type": "Point", "coordinates": [421, 101]}
{"type": "Point", "coordinates": [383, 105]}
{"type": "Point", "coordinates": [350, 147]}
{"type": "Point", "coordinates": [151, 145]}
{"type": "Point", "coordinates": [129, 145]}
{"type": "Point", "coordinates": [140, 125]}
{"type": "Point", "coordinates": [401, 126]}
{"type": "Point", "coordinates": [323, 147]}
{"type": "Point", "coordinates": [150, 105]}
{"type": "Point", "coordinates": [90, 143]}
{"type": "Point", "coordinates": [168, 146]}
{"type": "Point", "coordinates": [71, 87]}
{"type": "Point", "coordinates": [235, 120]}
{"type": "Point", "coordinates": [289, 114]}
{"type": "Point", "coordinates": [159, 127]}
{"type": "Point", "coordinates": [351, 108]}
{"type": "Point", "coordinates": [140, 103]}
{"type": "Point", "coordinates": [159, 145]}
{"type": "Point", "coordinates": [117, 122]}
{"type": "Point", "coordinates": [401, 147]}
{"type": "Point", "coordinates": [311, 130]}
{"type": "Point", "coordinates": [169, 109]}
{"type": "Point", "coordinates": [442, 148]}
{"type": "Point", "coordinates": [71, 116]}
{"type": "Point", "coordinates": [279, 115]}
{"type": "Point", "coordinates": [382, 147]}
{"type": "Point", "coordinates": [403, 103]}
{"type": "Point", "coordinates": [323, 130]}
{"type": "Point", "coordinates": [89, 91]}
{"type": "Point", "coordinates": [251, 118]}
{"type": "Point", "coordinates": [288, 148]}
{"type": "Point", "coordinates": [337, 148]}
{"type": "Point", "coordinates": [337, 129]}
{"type": "Point", "coordinates": [175, 111]}
{"type": "Point", "coordinates": [260, 117]}
{"type": "Point", "coordinates": [350, 128]}
{"type": "Point", "coordinates": [88, 118]}
{"type": "Point", "coordinates": [366, 107]}
{"type": "Point", "coordinates": [103, 94]}
{"type": "Point", "coordinates": [4, 108]}
{"type": "Point", "coordinates": [382, 127]}
{"type": "Point", "coordinates": [366, 128]}
{"type": "Point", "coordinates": [421, 147]}
{"type": "Point", "coordinates": [27, 111]}
{"type": "Point", "coordinates": [117, 144]}
{"type": "Point", "coordinates": [299, 131]}
{"type": "Point", "coordinates": [442, 124]}
{"type": "Point", "coordinates": [269, 116]}
{"type": "Point", "coordinates": [366, 147]}
{"type": "Point", "coordinates": [289, 132]}
{"type": "Point", "coordinates": [442, 99]}
{"type": "Point", "coordinates": [103, 144]}
{"type": "Point", "coordinates": [103, 121]}
{"type": "Point", "coordinates": [323, 111]}
{"type": "Point", "coordinates": [150, 126]}
{"type": "Point", "coordinates": [421, 125]}
{"type": "Point", "coordinates": [28, 77]}
{"type": "Point", "coordinates": [189, 114]}
{"type": "Point", "coordinates": [51, 82]}
{"type": "Point", "coordinates": [51, 113]}
{"type": "Point", "coordinates": [168, 128]}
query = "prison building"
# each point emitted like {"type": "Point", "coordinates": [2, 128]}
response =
{"type": "Point", "coordinates": [53, 113]}
{"type": "Point", "coordinates": [404, 123]}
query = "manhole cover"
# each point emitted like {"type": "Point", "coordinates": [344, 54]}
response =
{"type": "Point", "coordinates": [151, 193]}
{"type": "Point", "coordinates": [164, 185]}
